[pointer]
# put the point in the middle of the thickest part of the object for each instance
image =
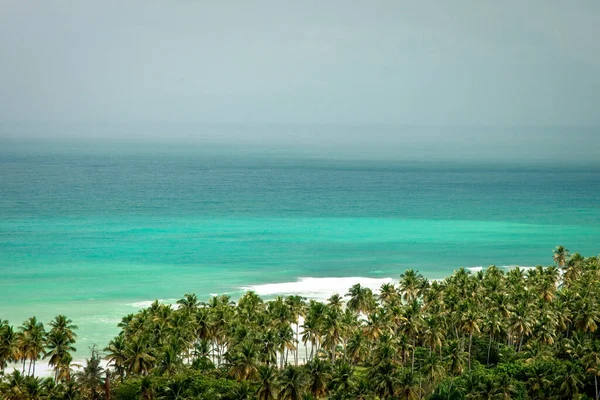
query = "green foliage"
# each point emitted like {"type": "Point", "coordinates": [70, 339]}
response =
{"type": "Point", "coordinates": [496, 334]}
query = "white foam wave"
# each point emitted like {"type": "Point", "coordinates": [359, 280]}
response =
{"type": "Point", "coordinates": [509, 267]}
{"type": "Point", "coordinates": [475, 269]}
{"type": "Point", "coordinates": [44, 370]}
{"type": "Point", "coordinates": [317, 288]}
{"type": "Point", "coordinates": [148, 303]}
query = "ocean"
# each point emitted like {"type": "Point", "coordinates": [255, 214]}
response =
{"type": "Point", "coordinates": [97, 233]}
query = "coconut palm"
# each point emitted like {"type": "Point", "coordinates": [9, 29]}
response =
{"type": "Point", "coordinates": [117, 355]}
{"type": "Point", "coordinates": [433, 369]}
{"type": "Point", "coordinates": [456, 358]}
{"type": "Point", "coordinates": [361, 299]}
{"type": "Point", "coordinates": [297, 306]}
{"type": "Point", "coordinates": [90, 379]}
{"type": "Point", "coordinates": [319, 373]}
{"type": "Point", "coordinates": [335, 302]}
{"type": "Point", "coordinates": [433, 334]}
{"type": "Point", "coordinates": [58, 351]}
{"type": "Point", "coordinates": [332, 330]}
{"type": "Point", "coordinates": [586, 315]}
{"type": "Point", "coordinates": [243, 361]}
{"type": "Point", "coordinates": [384, 378]}
{"type": "Point", "coordinates": [408, 386]}
{"type": "Point", "coordinates": [65, 326]}
{"type": "Point", "coordinates": [357, 348]}
{"type": "Point", "coordinates": [411, 285]}
{"type": "Point", "coordinates": [570, 381]}
{"type": "Point", "coordinates": [342, 377]}
{"type": "Point", "coordinates": [14, 387]}
{"type": "Point", "coordinates": [292, 382]}
{"type": "Point", "coordinates": [139, 356]}
{"type": "Point", "coordinates": [267, 383]}
{"type": "Point", "coordinates": [9, 346]}
{"type": "Point", "coordinates": [388, 294]}
{"type": "Point", "coordinates": [189, 303]}
{"type": "Point", "coordinates": [561, 256]}
{"type": "Point", "coordinates": [31, 342]}
{"type": "Point", "coordinates": [470, 325]}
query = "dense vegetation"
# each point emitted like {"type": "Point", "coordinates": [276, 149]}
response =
{"type": "Point", "coordinates": [494, 334]}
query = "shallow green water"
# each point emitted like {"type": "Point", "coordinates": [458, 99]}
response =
{"type": "Point", "coordinates": [98, 234]}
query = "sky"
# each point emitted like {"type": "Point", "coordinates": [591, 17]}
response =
{"type": "Point", "coordinates": [96, 65]}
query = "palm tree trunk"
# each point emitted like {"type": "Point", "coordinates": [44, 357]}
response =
{"type": "Point", "coordinates": [287, 352]}
{"type": "Point", "coordinates": [333, 353]}
{"type": "Point", "coordinates": [412, 368]}
{"type": "Point", "coordinates": [297, 342]}
{"type": "Point", "coordinates": [470, 343]}
{"type": "Point", "coordinates": [489, 349]}
{"type": "Point", "coordinates": [521, 341]}
{"type": "Point", "coordinates": [305, 352]}
{"type": "Point", "coordinates": [596, 385]}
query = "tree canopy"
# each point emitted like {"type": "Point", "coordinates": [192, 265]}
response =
{"type": "Point", "coordinates": [498, 333]}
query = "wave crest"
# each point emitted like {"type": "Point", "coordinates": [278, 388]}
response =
{"type": "Point", "coordinates": [317, 288]}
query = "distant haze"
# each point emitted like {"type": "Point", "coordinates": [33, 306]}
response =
{"type": "Point", "coordinates": [393, 79]}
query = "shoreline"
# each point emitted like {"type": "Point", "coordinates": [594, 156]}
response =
{"type": "Point", "coordinates": [319, 289]}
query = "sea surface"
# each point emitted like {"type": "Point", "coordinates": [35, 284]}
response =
{"type": "Point", "coordinates": [98, 232]}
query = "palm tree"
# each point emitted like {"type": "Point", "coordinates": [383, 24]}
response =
{"type": "Point", "coordinates": [538, 382]}
{"type": "Point", "coordinates": [146, 390]}
{"type": "Point", "coordinates": [90, 379]}
{"type": "Point", "coordinates": [411, 323]}
{"type": "Point", "coordinates": [332, 330]}
{"type": "Point", "coordinates": [411, 285]}
{"type": "Point", "coordinates": [570, 381]}
{"type": "Point", "coordinates": [117, 355]}
{"type": "Point", "coordinates": [292, 383]}
{"type": "Point", "coordinates": [591, 362]}
{"type": "Point", "coordinates": [267, 386]}
{"type": "Point", "coordinates": [243, 361]}
{"type": "Point", "coordinates": [33, 388]}
{"type": "Point", "coordinates": [586, 315]}
{"type": "Point", "coordinates": [335, 302]}
{"type": "Point", "coordinates": [189, 303]}
{"type": "Point", "coordinates": [456, 358]}
{"type": "Point", "coordinates": [470, 325]}
{"type": "Point", "coordinates": [384, 378]}
{"type": "Point", "coordinates": [319, 373]}
{"type": "Point", "coordinates": [31, 343]}
{"type": "Point", "coordinates": [342, 377]}
{"type": "Point", "coordinates": [58, 350]}
{"type": "Point", "coordinates": [9, 346]}
{"type": "Point", "coordinates": [433, 334]}
{"type": "Point", "coordinates": [361, 299]}
{"type": "Point", "coordinates": [169, 360]}
{"type": "Point", "coordinates": [561, 256]}
{"type": "Point", "coordinates": [140, 359]}
{"type": "Point", "coordinates": [297, 306]}
{"type": "Point", "coordinates": [14, 388]}
{"type": "Point", "coordinates": [408, 387]}
{"type": "Point", "coordinates": [65, 326]}
{"type": "Point", "coordinates": [433, 369]}
{"type": "Point", "coordinates": [357, 347]}
{"type": "Point", "coordinates": [504, 388]}
{"type": "Point", "coordinates": [388, 294]}
{"type": "Point", "coordinates": [521, 323]}
{"type": "Point", "coordinates": [363, 390]}
{"type": "Point", "coordinates": [492, 324]}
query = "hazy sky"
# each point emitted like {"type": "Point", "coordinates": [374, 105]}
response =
{"type": "Point", "coordinates": [524, 62]}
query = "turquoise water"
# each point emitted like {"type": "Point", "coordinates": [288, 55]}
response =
{"type": "Point", "coordinates": [97, 233]}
